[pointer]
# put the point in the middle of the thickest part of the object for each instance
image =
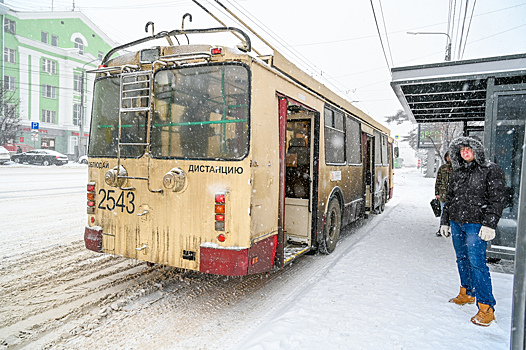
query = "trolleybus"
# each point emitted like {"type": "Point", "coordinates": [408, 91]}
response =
{"type": "Point", "coordinates": [212, 158]}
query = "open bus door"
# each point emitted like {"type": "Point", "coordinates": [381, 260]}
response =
{"type": "Point", "coordinates": [297, 221]}
{"type": "Point", "coordinates": [368, 172]}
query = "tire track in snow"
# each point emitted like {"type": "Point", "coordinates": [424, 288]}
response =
{"type": "Point", "coordinates": [49, 285]}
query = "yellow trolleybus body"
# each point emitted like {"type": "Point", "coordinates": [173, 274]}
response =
{"type": "Point", "coordinates": [208, 158]}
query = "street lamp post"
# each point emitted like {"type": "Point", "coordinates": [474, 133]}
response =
{"type": "Point", "coordinates": [448, 46]}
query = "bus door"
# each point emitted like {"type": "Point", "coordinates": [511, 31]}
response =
{"type": "Point", "coordinates": [368, 171]}
{"type": "Point", "coordinates": [298, 180]}
{"type": "Point", "coordinates": [297, 195]}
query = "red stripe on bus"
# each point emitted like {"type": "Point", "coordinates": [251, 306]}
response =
{"type": "Point", "coordinates": [237, 262]}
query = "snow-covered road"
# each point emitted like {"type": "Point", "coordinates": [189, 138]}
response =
{"type": "Point", "coordinates": [386, 285]}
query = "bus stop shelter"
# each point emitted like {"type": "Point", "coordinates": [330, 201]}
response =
{"type": "Point", "coordinates": [493, 91]}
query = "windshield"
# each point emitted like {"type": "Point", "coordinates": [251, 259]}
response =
{"type": "Point", "coordinates": [104, 134]}
{"type": "Point", "coordinates": [201, 112]}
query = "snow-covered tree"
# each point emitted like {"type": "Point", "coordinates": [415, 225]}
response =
{"type": "Point", "coordinates": [9, 116]}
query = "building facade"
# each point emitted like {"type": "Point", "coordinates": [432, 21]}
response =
{"type": "Point", "coordinates": [45, 57]}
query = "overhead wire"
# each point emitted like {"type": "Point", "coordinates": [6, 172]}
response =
{"type": "Point", "coordinates": [276, 38]}
{"type": "Point", "coordinates": [385, 30]}
{"type": "Point", "coordinates": [449, 17]}
{"type": "Point", "coordinates": [450, 31]}
{"type": "Point", "coordinates": [467, 32]}
{"type": "Point", "coordinates": [451, 22]}
{"type": "Point", "coordinates": [451, 28]}
{"type": "Point", "coordinates": [295, 54]}
{"type": "Point", "coordinates": [380, 36]}
{"type": "Point", "coordinates": [452, 14]}
{"type": "Point", "coordinates": [462, 31]}
{"type": "Point", "coordinates": [457, 35]}
{"type": "Point", "coordinates": [499, 33]}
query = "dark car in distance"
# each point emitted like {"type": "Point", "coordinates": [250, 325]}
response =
{"type": "Point", "coordinates": [40, 156]}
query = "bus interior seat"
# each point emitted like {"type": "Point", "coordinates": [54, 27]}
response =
{"type": "Point", "coordinates": [298, 180]}
{"type": "Point", "coordinates": [299, 147]}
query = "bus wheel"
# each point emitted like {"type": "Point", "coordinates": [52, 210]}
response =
{"type": "Point", "coordinates": [333, 224]}
{"type": "Point", "coordinates": [381, 208]}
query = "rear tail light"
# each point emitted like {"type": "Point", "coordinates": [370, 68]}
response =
{"type": "Point", "coordinates": [91, 197]}
{"type": "Point", "coordinates": [216, 51]}
{"type": "Point", "coordinates": [220, 198]}
{"type": "Point", "coordinates": [219, 212]}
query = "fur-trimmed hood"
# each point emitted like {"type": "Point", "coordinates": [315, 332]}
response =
{"type": "Point", "coordinates": [478, 149]}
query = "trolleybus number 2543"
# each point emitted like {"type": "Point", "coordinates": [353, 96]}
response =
{"type": "Point", "coordinates": [109, 201]}
{"type": "Point", "coordinates": [229, 164]}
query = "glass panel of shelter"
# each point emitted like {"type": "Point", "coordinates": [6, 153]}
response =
{"type": "Point", "coordinates": [510, 111]}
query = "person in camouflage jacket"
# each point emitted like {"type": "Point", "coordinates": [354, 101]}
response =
{"type": "Point", "coordinates": [442, 181]}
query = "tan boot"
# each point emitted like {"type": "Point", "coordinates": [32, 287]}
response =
{"type": "Point", "coordinates": [462, 298]}
{"type": "Point", "coordinates": [485, 315]}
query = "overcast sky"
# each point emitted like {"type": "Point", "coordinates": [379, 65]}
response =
{"type": "Point", "coordinates": [336, 41]}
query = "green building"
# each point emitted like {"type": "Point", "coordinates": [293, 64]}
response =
{"type": "Point", "coordinates": [46, 55]}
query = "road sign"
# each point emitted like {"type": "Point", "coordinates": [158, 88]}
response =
{"type": "Point", "coordinates": [34, 137]}
{"type": "Point", "coordinates": [34, 125]}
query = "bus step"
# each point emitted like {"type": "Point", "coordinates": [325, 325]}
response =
{"type": "Point", "coordinates": [292, 251]}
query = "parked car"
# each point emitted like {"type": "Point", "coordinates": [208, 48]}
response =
{"type": "Point", "coordinates": [40, 156]}
{"type": "Point", "coordinates": [83, 160]}
{"type": "Point", "coordinates": [5, 156]}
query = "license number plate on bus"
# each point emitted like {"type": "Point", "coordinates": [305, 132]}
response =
{"type": "Point", "coordinates": [117, 200]}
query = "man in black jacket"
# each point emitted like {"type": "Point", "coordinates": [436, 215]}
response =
{"type": "Point", "coordinates": [474, 203]}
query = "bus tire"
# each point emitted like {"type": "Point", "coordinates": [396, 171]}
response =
{"type": "Point", "coordinates": [381, 207]}
{"type": "Point", "coordinates": [333, 224]}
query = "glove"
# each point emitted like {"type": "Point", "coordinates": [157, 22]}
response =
{"type": "Point", "coordinates": [444, 231]}
{"type": "Point", "coordinates": [486, 233]}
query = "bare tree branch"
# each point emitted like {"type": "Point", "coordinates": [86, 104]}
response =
{"type": "Point", "coordinates": [9, 116]}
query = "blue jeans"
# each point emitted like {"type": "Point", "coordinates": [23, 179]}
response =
{"type": "Point", "coordinates": [471, 261]}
